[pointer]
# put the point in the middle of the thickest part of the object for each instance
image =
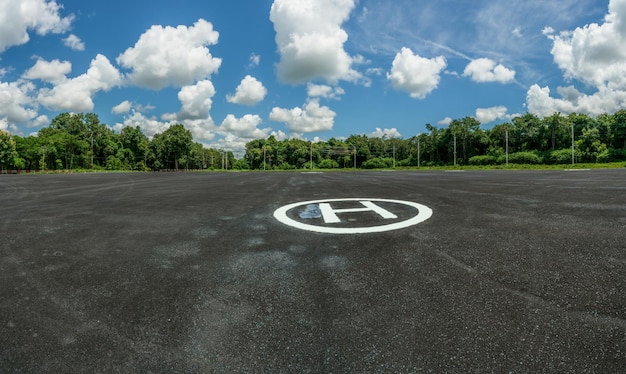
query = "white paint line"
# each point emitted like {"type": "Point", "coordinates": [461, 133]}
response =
{"type": "Point", "coordinates": [423, 213]}
{"type": "Point", "coordinates": [330, 214]}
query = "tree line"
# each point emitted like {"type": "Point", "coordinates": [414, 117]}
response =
{"type": "Point", "coordinates": [80, 141]}
{"type": "Point", "coordinates": [526, 139]}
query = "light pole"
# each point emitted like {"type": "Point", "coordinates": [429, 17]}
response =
{"type": "Point", "coordinates": [507, 146]}
{"type": "Point", "coordinates": [573, 145]}
{"type": "Point", "coordinates": [418, 150]}
{"type": "Point", "coordinates": [454, 150]}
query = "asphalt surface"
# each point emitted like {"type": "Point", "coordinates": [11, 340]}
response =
{"type": "Point", "coordinates": [514, 272]}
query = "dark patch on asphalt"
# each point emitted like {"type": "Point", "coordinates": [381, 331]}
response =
{"type": "Point", "coordinates": [311, 211]}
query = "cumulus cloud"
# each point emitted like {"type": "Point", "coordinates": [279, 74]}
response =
{"type": "Point", "coordinates": [17, 18]}
{"type": "Point", "coordinates": [445, 122]}
{"type": "Point", "coordinates": [324, 91]}
{"type": "Point", "coordinates": [486, 70]}
{"type": "Point", "coordinates": [54, 71]}
{"type": "Point", "coordinates": [310, 40]}
{"type": "Point", "coordinates": [385, 133]}
{"type": "Point", "coordinates": [414, 74]}
{"type": "Point", "coordinates": [201, 129]}
{"type": "Point", "coordinates": [249, 92]}
{"type": "Point", "coordinates": [16, 105]}
{"type": "Point", "coordinates": [245, 127]}
{"type": "Point", "coordinates": [592, 54]}
{"type": "Point", "coordinates": [150, 126]}
{"type": "Point", "coordinates": [311, 118]}
{"type": "Point", "coordinates": [196, 100]}
{"type": "Point", "coordinates": [570, 100]}
{"type": "Point", "coordinates": [486, 115]}
{"type": "Point", "coordinates": [77, 94]}
{"type": "Point", "coordinates": [123, 107]}
{"type": "Point", "coordinates": [74, 42]}
{"type": "Point", "coordinates": [168, 56]}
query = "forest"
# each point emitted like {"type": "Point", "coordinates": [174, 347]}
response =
{"type": "Point", "coordinates": [80, 141]}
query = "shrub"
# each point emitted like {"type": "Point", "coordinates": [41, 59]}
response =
{"type": "Point", "coordinates": [612, 155]}
{"type": "Point", "coordinates": [483, 160]}
{"type": "Point", "coordinates": [241, 165]}
{"type": "Point", "coordinates": [378, 163]}
{"type": "Point", "coordinates": [328, 164]}
{"type": "Point", "coordinates": [561, 156]}
{"type": "Point", "coordinates": [524, 158]}
{"type": "Point", "coordinates": [285, 166]}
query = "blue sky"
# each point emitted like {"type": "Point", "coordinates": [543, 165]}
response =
{"type": "Point", "coordinates": [237, 70]}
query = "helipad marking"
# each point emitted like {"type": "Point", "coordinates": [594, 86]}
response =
{"type": "Point", "coordinates": [330, 215]}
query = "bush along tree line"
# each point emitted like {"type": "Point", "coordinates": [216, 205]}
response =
{"type": "Point", "coordinates": [527, 139]}
{"type": "Point", "coordinates": [80, 141]}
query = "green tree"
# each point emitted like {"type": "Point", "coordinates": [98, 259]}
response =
{"type": "Point", "coordinates": [528, 133]}
{"type": "Point", "coordinates": [619, 129]}
{"type": "Point", "coordinates": [360, 143]}
{"type": "Point", "coordinates": [8, 151]}
{"type": "Point", "coordinates": [558, 131]}
{"type": "Point", "coordinates": [136, 146]}
{"type": "Point", "coordinates": [589, 145]}
{"type": "Point", "coordinates": [172, 145]}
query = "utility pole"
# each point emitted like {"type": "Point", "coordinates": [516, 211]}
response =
{"type": "Point", "coordinates": [573, 160]}
{"type": "Point", "coordinates": [507, 146]}
{"type": "Point", "coordinates": [92, 148]}
{"type": "Point", "coordinates": [418, 150]}
{"type": "Point", "coordinates": [454, 150]}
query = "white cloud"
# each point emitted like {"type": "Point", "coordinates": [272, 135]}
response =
{"type": "Point", "coordinates": [149, 125]}
{"type": "Point", "coordinates": [325, 91]}
{"type": "Point", "coordinates": [445, 122]}
{"type": "Point", "coordinates": [77, 94]}
{"type": "Point", "coordinates": [123, 107]}
{"type": "Point", "coordinates": [16, 105]}
{"type": "Point", "coordinates": [605, 100]}
{"type": "Point", "coordinates": [594, 55]}
{"type": "Point", "coordinates": [166, 56]}
{"type": "Point", "coordinates": [311, 118]}
{"type": "Point", "coordinates": [255, 60]}
{"type": "Point", "coordinates": [485, 70]}
{"type": "Point", "coordinates": [74, 42]}
{"type": "Point", "coordinates": [40, 121]}
{"type": "Point", "coordinates": [414, 74]}
{"type": "Point", "coordinates": [245, 127]}
{"type": "Point", "coordinates": [310, 40]}
{"type": "Point", "coordinates": [385, 133]}
{"type": "Point", "coordinates": [54, 71]}
{"type": "Point", "coordinates": [201, 129]}
{"type": "Point", "coordinates": [17, 18]}
{"type": "Point", "coordinates": [249, 92]}
{"type": "Point", "coordinates": [486, 115]}
{"type": "Point", "coordinates": [196, 100]}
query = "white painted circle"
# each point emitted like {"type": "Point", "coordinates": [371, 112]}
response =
{"type": "Point", "coordinates": [423, 213]}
